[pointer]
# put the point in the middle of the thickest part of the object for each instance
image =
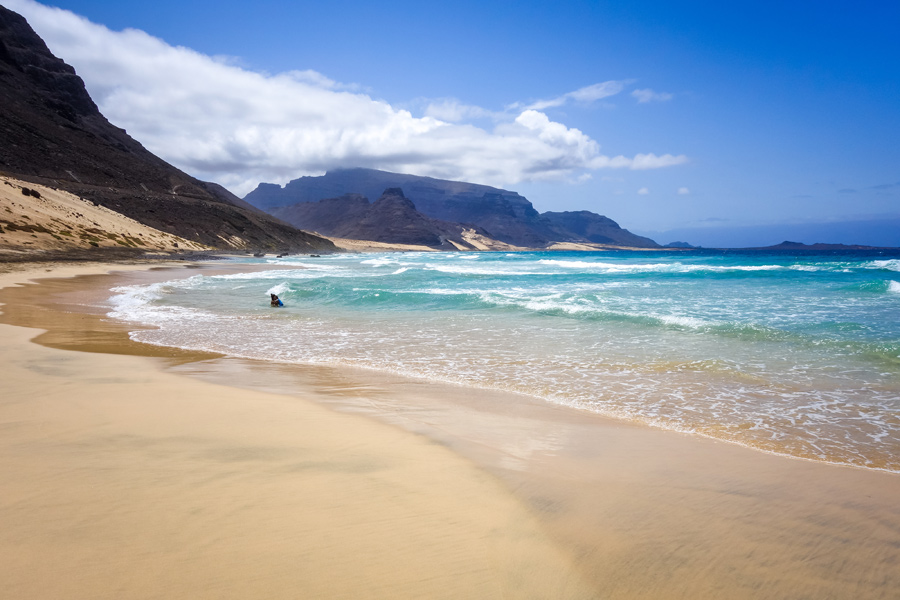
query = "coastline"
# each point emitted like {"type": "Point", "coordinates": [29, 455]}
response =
{"type": "Point", "coordinates": [124, 481]}
{"type": "Point", "coordinates": [591, 507]}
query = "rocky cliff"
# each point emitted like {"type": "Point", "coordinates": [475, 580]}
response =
{"type": "Point", "coordinates": [52, 133]}
{"type": "Point", "coordinates": [597, 229]}
{"type": "Point", "coordinates": [392, 218]}
{"type": "Point", "coordinates": [503, 215]}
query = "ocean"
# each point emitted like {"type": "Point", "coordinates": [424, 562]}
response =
{"type": "Point", "coordinates": [788, 353]}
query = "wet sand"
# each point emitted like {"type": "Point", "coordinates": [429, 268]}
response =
{"type": "Point", "coordinates": [121, 480]}
{"type": "Point", "coordinates": [204, 476]}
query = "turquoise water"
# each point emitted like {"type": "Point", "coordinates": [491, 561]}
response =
{"type": "Point", "coordinates": [797, 355]}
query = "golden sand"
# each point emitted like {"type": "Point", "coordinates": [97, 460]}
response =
{"type": "Point", "coordinates": [201, 476]}
{"type": "Point", "coordinates": [58, 220]}
{"type": "Point", "coordinates": [123, 481]}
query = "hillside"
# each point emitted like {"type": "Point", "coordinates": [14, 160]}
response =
{"type": "Point", "coordinates": [391, 219]}
{"type": "Point", "coordinates": [34, 217]}
{"type": "Point", "coordinates": [597, 229]}
{"type": "Point", "coordinates": [502, 215]}
{"type": "Point", "coordinates": [52, 133]}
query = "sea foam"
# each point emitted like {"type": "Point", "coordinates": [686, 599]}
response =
{"type": "Point", "coordinates": [796, 356]}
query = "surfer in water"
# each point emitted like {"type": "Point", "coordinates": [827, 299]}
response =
{"type": "Point", "coordinates": [276, 301]}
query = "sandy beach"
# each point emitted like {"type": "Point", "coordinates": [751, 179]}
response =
{"type": "Point", "coordinates": [137, 472]}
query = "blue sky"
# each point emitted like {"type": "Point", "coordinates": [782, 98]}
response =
{"type": "Point", "coordinates": [695, 118]}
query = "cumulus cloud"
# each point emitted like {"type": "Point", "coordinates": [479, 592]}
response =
{"type": "Point", "coordinates": [221, 122]}
{"type": "Point", "coordinates": [683, 191]}
{"type": "Point", "coordinates": [643, 191]}
{"type": "Point", "coordinates": [648, 95]}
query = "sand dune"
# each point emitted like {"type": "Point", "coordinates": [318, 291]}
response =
{"type": "Point", "coordinates": [43, 218]}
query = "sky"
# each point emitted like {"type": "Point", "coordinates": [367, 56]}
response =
{"type": "Point", "coordinates": [741, 123]}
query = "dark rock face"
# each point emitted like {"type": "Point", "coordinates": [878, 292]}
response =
{"type": "Point", "coordinates": [329, 216]}
{"type": "Point", "coordinates": [51, 132]}
{"type": "Point", "coordinates": [506, 215]}
{"type": "Point", "coordinates": [392, 218]}
{"type": "Point", "coordinates": [367, 182]}
{"type": "Point", "coordinates": [598, 229]}
{"type": "Point", "coordinates": [502, 214]}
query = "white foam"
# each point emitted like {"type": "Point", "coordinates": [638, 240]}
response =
{"type": "Point", "coordinates": [674, 267]}
{"type": "Point", "coordinates": [129, 298]}
{"type": "Point", "coordinates": [306, 273]}
{"type": "Point", "coordinates": [888, 265]}
{"type": "Point", "coordinates": [474, 270]}
{"type": "Point", "coordinates": [380, 261]}
{"type": "Point", "coordinates": [278, 289]}
{"type": "Point", "coordinates": [689, 322]}
{"type": "Point", "coordinates": [319, 272]}
{"type": "Point", "coordinates": [644, 356]}
{"type": "Point", "coordinates": [135, 303]}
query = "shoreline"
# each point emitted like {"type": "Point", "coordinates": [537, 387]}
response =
{"type": "Point", "coordinates": [635, 511]}
{"type": "Point", "coordinates": [122, 480]}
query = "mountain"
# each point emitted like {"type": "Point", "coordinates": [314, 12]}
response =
{"type": "Point", "coordinates": [818, 246]}
{"type": "Point", "coordinates": [597, 229]}
{"type": "Point", "coordinates": [52, 133]}
{"type": "Point", "coordinates": [506, 215]}
{"type": "Point", "coordinates": [369, 183]}
{"type": "Point", "coordinates": [52, 223]}
{"type": "Point", "coordinates": [502, 214]}
{"type": "Point", "coordinates": [392, 218]}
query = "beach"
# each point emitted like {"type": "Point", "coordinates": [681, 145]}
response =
{"type": "Point", "coordinates": [135, 471]}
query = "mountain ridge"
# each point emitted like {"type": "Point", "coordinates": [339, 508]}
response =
{"type": "Point", "coordinates": [52, 133]}
{"type": "Point", "coordinates": [503, 215]}
{"type": "Point", "coordinates": [392, 218]}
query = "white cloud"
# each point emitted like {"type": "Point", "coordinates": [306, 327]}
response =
{"type": "Point", "coordinates": [683, 191]}
{"type": "Point", "coordinates": [224, 123]}
{"type": "Point", "coordinates": [454, 111]}
{"type": "Point", "coordinates": [651, 161]}
{"type": "Point", "coordinates": [648, 95]}
{"type": "Point", "coordinates": [584, 95]}
{"type": "Point", "coordinates": [643, 191]}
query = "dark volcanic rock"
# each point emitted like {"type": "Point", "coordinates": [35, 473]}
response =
{"type": "Point", "coordinates": [502, 214]}
{"type": "Point", "coordinates": [367, 182]}
{"type": "Point", "coordinates": [392, 218]}
{"type": "Point", "coordinates": [598, 229]}
{"type": "Point", "coordinates": [51, 132]}
{"type": "Point", "coordinates": [329, 216]}
{"type": "Point", "coordinates": [505, 215]}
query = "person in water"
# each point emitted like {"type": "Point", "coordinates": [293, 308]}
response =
{"type": "Point", "coordinates": [276, 301]}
